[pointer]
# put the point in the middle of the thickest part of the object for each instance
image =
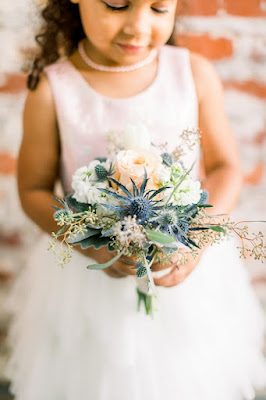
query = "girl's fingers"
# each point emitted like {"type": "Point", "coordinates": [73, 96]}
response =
{"type": "Point", "coordinates": [113, 273]}
{"type": "Point", "coordinates": [128, 270]}
{"type": "Point", "coordinates": [125, 269]}
{"type": "Point", "coordinates": [157, 267]}
{"type": "Point", "coordinates": [171, 279]}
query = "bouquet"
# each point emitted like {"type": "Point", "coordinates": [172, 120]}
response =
{"type": "Point", "coordinates": [140, 202]}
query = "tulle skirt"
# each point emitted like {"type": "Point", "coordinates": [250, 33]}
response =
{"type": "Point", "coordinates": [77, 334]}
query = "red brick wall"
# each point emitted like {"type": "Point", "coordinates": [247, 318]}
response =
{"type": "Point", "coordinates": [246, 8]}
{"type": "Point", "coordinates": [231, 34]}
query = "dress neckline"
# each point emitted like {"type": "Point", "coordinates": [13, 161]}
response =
{"type": "Point", "coordinates": [149, 89]}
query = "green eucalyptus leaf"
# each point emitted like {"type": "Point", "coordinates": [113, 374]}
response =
{"type": "Point", "coordinates": [76, 205]}
{"type": "Point", "coordinates": [159, 237]}
{"type": "Point", "coordinates": [56, 208]}
{"type": "Point", "coordinates": [170, 249]}
{"type": "Point", "coordinates": [105, 265]}
{"type": "Point", "coordinates": [61, 202]}
{"type": "Point", "coordinates": [101, 159]}
{"type": "Point", "coordinates": [94, 241]}
{"type": "Point", "coordinates": [62, 230]}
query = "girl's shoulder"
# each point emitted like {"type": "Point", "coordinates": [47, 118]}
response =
{"type": "Point", "coordinates": [204, 74]}
{"type": "Point", "coordinates": [206, 78]}
{"type": "Point", "coordinates": [43, 92]}
{"type": "Point", "coordinates": [40, 110]}
{"type": "Point", "coordinates": [59, 68]}
{"type": "Point", "coordinates": [197, 60]}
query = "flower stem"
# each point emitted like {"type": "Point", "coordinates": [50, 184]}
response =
{"type": "Point", "coordinates": [148, 269]}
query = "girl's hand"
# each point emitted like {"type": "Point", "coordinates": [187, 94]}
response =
{"type": "Point", "coordinates": [110, 271]}
{"type": "Point", "coordinates": [118, 269]}
{"type": "Point", "coordinates": [180, 273]}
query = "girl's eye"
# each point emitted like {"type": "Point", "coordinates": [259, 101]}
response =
{"type": "Point", "coordinates": [160, 10]}
{"type": "Point", "coordinates": [113, 8]}
{"type": "Point", "coordinates": [121, 8]}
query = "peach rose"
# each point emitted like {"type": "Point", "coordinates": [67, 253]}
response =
{"type": "Point", "coordinates": [132, 164]}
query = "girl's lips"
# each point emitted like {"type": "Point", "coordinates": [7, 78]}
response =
{"type": "Point", "coordinates": [129, 49]}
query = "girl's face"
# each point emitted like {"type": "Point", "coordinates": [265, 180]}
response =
{"type": "Point", "coordinates": [125, 31]}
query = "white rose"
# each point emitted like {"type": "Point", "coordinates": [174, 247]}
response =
{"type": "Point", "coordinates": [136, 137]}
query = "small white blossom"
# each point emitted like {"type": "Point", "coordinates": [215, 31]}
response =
{"type": "Point", "coordinates": [85, 184]}
{"type": "Point", "coordinates": [128, 231]}
{"type": "Point", "coordinates": [189, 190]}
{"type": "Point", "coordinates": [106, 199]}
{"type": "Point", "coordinates": [177, 171]}
{"type": "Point", "coordinates": [86, 192]}
{"type": "Point", "coordinates": [162, 175]}
{"type": "Point", "coordinates": [187, 193]}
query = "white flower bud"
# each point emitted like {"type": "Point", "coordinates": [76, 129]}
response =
{"type": "Point", "coordinates": [136, 137]}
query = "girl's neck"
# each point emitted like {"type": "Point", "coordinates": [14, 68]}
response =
{"type": "Point", "coordinates": [120, 84]}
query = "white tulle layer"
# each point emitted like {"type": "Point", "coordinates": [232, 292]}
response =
{"type": "Point", "coordinates": [77, 334]}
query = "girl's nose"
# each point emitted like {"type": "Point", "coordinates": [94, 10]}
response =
{"type": "Point", "coordinates": [137, 24]}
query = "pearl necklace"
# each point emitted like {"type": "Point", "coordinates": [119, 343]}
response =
{"type": "Point", "coordinates": [126, 68]}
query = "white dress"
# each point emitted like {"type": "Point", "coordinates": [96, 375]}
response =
{"type": "Point", "coordinates": [77, 333]}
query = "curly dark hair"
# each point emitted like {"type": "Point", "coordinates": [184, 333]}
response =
{"type": "Point", "coordinates": [59, 36]}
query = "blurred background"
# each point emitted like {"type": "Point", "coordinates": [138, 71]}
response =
{"type": "Point", "coordinates": [231, 33]}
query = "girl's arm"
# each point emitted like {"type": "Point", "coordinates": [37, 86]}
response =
{"type": "Point", "coordinates": [38, 161]}
{"type": "Point", "coordinates": [223, 176]}
{"type": "Point", "coordinates": [38, 167]}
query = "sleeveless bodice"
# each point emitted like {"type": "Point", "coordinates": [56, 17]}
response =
{"type": "Point", "coordinates": [166, 107]}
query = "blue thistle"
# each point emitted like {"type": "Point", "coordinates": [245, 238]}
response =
{"type": "Point", "coordinates": [141, 269]}
{"type": "Point", "coordinates": [183, 225]}
{"type": "Point", "coordinates": [203, 197]}
{"type": "Point", "coordinates": [141, 208]}
{"type": "Point", "coordinates": [167, 159]}
{"type": "Point", "coordinates": [168, 217]}
{"type": "Point", "coordinates": [60, 213]}
{"type": "Point", "coordinates": [102, 173]}
{"type": "Point", "coordinates": [141, 272]}
{"type": "Point", "coordinates": [176, 223]}
{"type": "Point", "coordinates": [139, 204]}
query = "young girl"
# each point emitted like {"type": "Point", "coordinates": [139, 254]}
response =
{"type": "Point", "coordinates": [78, 334]}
